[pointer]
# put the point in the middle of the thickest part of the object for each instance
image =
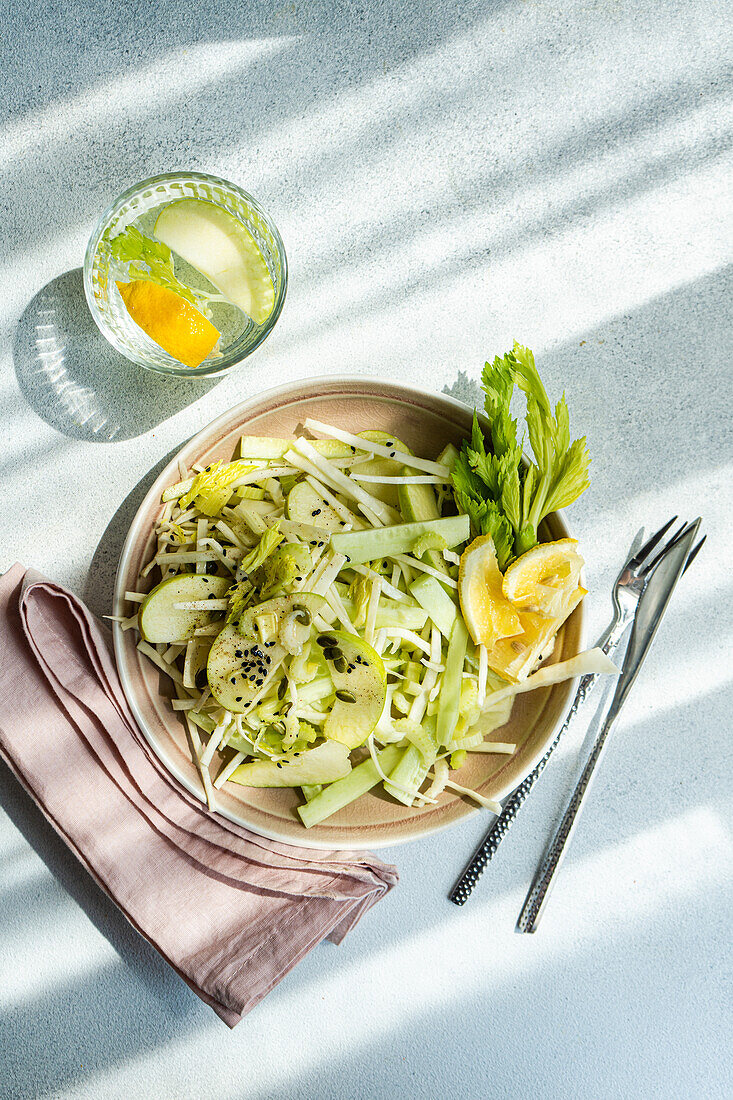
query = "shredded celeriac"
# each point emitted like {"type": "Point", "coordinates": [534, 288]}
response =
{"type": "Point", "coordinates": [289, 706]}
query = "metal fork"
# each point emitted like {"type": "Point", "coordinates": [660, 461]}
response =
{"type": "Point", "coordinates": [650, 610]}
{"type": "Point", "coordinates": [625, 595]}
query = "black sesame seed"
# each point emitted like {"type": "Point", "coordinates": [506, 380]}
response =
{"type": "Point", "coordinates": [239, 698]}
{"type": "Point", "coordinates": [316, 512]}
{"type": "Point", "coordinates": [233, 680]}
{"type": "Point", "coordinates": [392, 454]}
{"type": "Point", "coordinates": [278, 764]}
{"type": "Point", "coordinates": [259, 683]}
{"type": "Point", "coordinates": [238, 653]}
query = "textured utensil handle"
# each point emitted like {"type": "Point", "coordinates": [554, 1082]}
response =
{"type": "Point", "coordinates": [529, 918]}
{"type": "Point", "coordinates": [475, 867]}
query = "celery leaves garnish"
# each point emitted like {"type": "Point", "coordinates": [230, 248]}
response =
{"type": "Point", "coordinates": [149, 259]}
{"type": "Point", "coordinates": [502, 497]}
{"type": "Point", "coordinates": [267, 544]}
{"type": "Point", "coordinates": [239, 596]}
{"type": "Point", "coordinates": [242, 594]}
{"type": "Point", "coordinates": [212, 487]}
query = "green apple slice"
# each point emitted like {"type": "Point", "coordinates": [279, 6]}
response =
{"type": "Point", "coordinates": [242, 662]}
{"type": "Point", "coordinates": [323, 764]}
{"type": "Point", "coordinates": [305, 505]}
{"type": "Point", "coordinates": [216, 243]}
{"type": "Point", "coordinates": [360, 680]}
{"type": "Point", "coordinates": [161, 621]}
{"type": "Point", "coordinates": [238, 668]}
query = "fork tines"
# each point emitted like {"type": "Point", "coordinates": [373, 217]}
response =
{"type": "Point", "coordinates": [680, 534]}
{"type": "Point", "coordinates": [644, 551]}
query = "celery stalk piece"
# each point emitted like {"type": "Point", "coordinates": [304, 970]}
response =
{"type": "Point", "coordinates": [310, 790]}
{"type": "Point", "coordinates": [433, 598]}
{"type": "Point", "coordinates": [267, 448]}
{"type": "Point", "coordinates": [409, 772]}
{"type": "Point", "coordinates": [203, 721]}
{"type": "Point", "coordinates": [414, 765]}
{"type": "Point", "coordinates": [361, 546]}
{"type": "Point", "coordinates": [343, 791]}
{"type": "Point", "coordinates": [419, 502]}
{"type": "Point", "coordinates": [448, 456]}
{"type": "Point", "coordinates": [450, 691]}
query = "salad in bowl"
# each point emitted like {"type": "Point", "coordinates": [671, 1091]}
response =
{"type": "Point", "coordinates": [337, 613]}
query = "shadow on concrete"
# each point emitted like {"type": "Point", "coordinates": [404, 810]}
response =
{"type": "Point", "coordinates": [76, 381]}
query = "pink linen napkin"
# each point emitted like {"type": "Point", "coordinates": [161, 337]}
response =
{"type": "Point", "coordinates": [230, 911]}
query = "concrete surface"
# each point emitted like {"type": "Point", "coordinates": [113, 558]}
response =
{"type": "Point", "coordinates": [447, 178]}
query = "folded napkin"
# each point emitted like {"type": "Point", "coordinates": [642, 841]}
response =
{"type": "Point", "coordinates": [230, 911]}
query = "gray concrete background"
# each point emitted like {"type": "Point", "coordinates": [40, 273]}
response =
{"type": "Point", "coordinates": [447, 178]}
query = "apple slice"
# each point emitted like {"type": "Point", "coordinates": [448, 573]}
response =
{"type": "Point", "coordinates": [242, 662]}
{"type": "Point", "coordinates": [160, 621]}
{"type": "Point", "coordinates": [217, 244]}
{"type": "Point", "coordinates": [323, 764]}
{"type": "Point", "coordinates": [238, 667]}
{"type": "Point", "coordinates": [360, 680]}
